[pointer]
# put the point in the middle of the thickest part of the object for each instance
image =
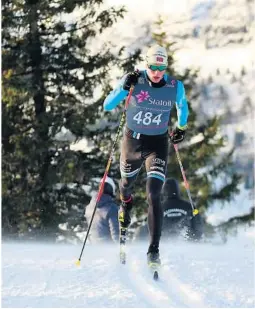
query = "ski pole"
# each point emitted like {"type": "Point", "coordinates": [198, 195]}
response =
{"type": "Point", "coordinates": [101, 187]}
{"type": "Point", "coordinates": [194, 210]}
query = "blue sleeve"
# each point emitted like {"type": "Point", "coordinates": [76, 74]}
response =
{"type": "Point", "coordinates": [181, 105]}
{"type": "Point", "coordinates": [115, 96]}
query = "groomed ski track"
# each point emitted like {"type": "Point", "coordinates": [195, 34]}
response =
{"type": "Point", "coordinates": [191, 276]}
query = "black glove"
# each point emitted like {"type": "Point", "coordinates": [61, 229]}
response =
{"type": "Point", "coordinates": [131, 79]}
{"type": "Point", "coordinates": [177, 135]}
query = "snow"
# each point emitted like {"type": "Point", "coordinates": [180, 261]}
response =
{"type": "Point", "coordinates": [192, 275]}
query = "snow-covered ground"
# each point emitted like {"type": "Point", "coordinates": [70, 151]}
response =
{"type": "Point", "coordinates": [192, 275]}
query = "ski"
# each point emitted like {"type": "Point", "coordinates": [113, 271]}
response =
{"type": "Point", "coordinates": [155, 275]}
{"type": "Point", "coordinates": [123, 238]}
{"type": "Point", "coordinates": [154, 268]}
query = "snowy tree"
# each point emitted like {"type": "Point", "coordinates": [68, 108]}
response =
{"type": "Point", "coordinates": [52, 79]}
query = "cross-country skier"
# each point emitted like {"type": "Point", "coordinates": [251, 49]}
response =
{"type": "Point", "coordinates": [146, 136]}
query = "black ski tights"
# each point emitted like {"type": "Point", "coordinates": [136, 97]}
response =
{"type": "Point", "coordinates": [155, 211]}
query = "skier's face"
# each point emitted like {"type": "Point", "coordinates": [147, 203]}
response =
{"type": "Point", "coordinates": [155, 72]}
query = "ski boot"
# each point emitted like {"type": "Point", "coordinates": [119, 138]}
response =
{"type": "Point", "coordinates": [124, 220]}
{"type": "Point", "coordinates": [153, 260]}
{"type": "Point", "coordinates": [125, 213]}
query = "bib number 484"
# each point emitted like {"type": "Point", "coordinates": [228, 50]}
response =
{"type": "Point", "coordinates": [146, 118]}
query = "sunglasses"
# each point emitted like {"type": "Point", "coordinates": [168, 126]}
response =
{"type": "Point", "coordinates": [157, 67]}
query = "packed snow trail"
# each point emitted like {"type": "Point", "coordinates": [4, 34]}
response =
{"type": "Point", "coordinates": [192, 275]}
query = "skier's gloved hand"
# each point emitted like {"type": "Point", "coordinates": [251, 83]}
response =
{"type": "Point", "coordinates": [177, 135]}
{"type": "Point", "coordinates": [131, 79]}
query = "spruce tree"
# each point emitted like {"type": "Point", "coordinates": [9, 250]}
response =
{"type": "Point", "coordinates": [52, 79]}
